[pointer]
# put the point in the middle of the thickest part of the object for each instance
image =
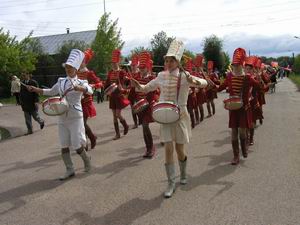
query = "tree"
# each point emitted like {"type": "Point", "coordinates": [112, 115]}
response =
{"type": "Point", "coordinates": [212, 51]}
{"type": "Point", "coordinates": [15, 58]}
{"type": "Point", "coordinates": [296, 66]}
{"type": "Point", "coordinates": [108, 38]}
{"type": "Point", "coordinates": [159, 45]}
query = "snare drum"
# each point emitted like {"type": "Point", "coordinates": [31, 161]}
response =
{"type": "Point", "coordinates": [55, 106]}
{"type": "Point", "coordinates": [140, 106]}
{"type": "Point", "coordinates": [111, 89]}
{"type": "Point", "coordinates": [233, 103]}
{"type": "Point", "coordinates": [165, 112]}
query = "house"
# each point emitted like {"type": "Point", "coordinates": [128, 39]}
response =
{"type": "Point", "coordinates": [52, 43]}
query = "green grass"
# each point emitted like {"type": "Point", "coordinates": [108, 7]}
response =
{"type": "Point", "coordinates": [296, 79]}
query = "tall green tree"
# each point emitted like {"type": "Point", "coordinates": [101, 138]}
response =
{"type": "Point", "coordinates": [107, 39]}
{"type": "Point", "coordinates": [296, 66]}
{"type": "Point", "coordinates": [212, 51]}
{"type": "Point", "coordinates": [159, 46]}
{"type": "Point", "coordinates": [15, 57]}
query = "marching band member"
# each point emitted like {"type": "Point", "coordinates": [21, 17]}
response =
{"type": "Point", "coordinates": [70, 124]}
{"type": "Point", "coordinates": [145, 116]}
{"type": "Point", "coordinates": [192, 98]}
{"type": "Point", "coordinates": [212, 93]}
{"type": "Point", "coordinates": [174, 86]}
{"type": "Point", "coordinates": [239, 84]}
{"type": "Point", "coordinates": [133, 73]}
{"type": "Point", "coordinates": [117, 100]}
{"type": "Point", "coordinates": [88, 107]}
{"type": "Point", "coordinates": [256, 112]}
{"type": "Point", "coordinates": [201, 95]}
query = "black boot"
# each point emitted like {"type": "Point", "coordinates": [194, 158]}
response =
{"type": "Point", "coordinates": [244, 147]}
{"type": "Point", "coordinates": [201, 113]}
{"type": "Point", "coordinates": [236, 152]}
{"type": "Point", "coordinates": [251, 141]}
{"type": "Point", "coordinates": [125, 125]}
{"type": "Point", "coordinates": [117, 130]}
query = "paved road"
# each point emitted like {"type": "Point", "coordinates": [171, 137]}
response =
{"type": "Point", "coordinates": [125, 189]}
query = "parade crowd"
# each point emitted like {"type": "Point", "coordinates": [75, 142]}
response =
{"type": "Point", "coordinates": [175, 98]}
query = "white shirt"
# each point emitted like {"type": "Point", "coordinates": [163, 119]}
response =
{"type": "Point", "coordinates": [72, 97]}
{"type": "Point", "coordinates": [167, 83]}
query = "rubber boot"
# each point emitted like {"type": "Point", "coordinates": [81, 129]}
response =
{"type": "Point", "coordinates": [236, 152]}
{"type": "Point", "coordinates": [125, 125]}
{"type": "Point", "coordinates": [192, 116]}
{"type": "Point", "coordinates": [196, 111]}
{"type": "Point", "coordinates": [251, 141]}
{"type": "Point", "coordinates": [117, 130]}
{"type": "Point", "coordinates": [208, 110]}
{"type": "Point", "coordinates": [85, 158]}
{"type": "Point", "coordinates": [91, 136]}
{"type": "Point", "coordinates": [135, 119]}
{"type": "Point", "coordinates": [182, 167]}
{"type": "Point", "coordinates": [66, 157]}
{"type": "Point", "coordinates": [244, 147]}
{"type": "Point", "coordinates": [213, 108]}
{"type": "Point", "coordinates": [170, 171]}
{"type": "Point", "coordinates": [201, 114]}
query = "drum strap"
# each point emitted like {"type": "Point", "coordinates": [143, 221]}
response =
{"type": "Point", "coordinates": [178, 86]}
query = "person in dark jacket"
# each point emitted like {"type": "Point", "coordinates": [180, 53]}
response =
{"type": "Point", "coordinates": [29, 103]}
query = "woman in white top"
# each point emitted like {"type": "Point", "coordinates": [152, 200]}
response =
{"type": "Point", "coordinates": [70, 124]}
{"type": "Point", "coordinates": [178, 132]}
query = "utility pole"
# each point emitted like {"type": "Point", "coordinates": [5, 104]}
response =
{"type": "Point", "coordinates": [249, 52]}
{"type": "Point", "coordinates": [104, 6]}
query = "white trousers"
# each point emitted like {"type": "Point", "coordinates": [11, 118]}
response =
{"type": "Point", "coordinates": [72, 133]}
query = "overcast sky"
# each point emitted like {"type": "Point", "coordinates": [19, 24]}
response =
{"type": "Point", "coordinates": [263, 27]}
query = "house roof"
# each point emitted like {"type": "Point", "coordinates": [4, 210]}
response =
{"type": "Point", "coordinates": [52, 43]}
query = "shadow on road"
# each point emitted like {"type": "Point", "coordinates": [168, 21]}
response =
{"type": "Point", "coordinates": [14, 196]}
{"type": "Point", "coordinates": [126, 213]}
{"type": "Point", "coordinates": [40, 164]}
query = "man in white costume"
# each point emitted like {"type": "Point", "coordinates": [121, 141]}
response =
{"type": "Point", "coordinates": [174, 86]}
{"type": "Point", "coordinates": [70, 124]}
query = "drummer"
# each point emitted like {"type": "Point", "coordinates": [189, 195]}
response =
{"type": "Point", "coordinates": [145, 116]}
{"type": "Point", "coordinates": [239, 84]}
{"type": "Point", "coordinates": [133, 73]}
{"type": "Point", "coordinates": [212, 93]}
{"type": "Point", "coordinates": [174, 86]}
{"type": "Point", "coordinates": [117, 100]}
{"type": "Point", "coordinates": [89, 110]}
{"type": "Point", "coordinates": [70, 124]}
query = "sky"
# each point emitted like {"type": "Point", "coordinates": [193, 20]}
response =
{"type": "Point", "coordinates": [265, 28]}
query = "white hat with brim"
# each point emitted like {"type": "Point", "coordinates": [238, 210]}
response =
{"type": "Point", "coordinates": [75, 59]}
{"type": "Point", "coordinates": [175, 50]}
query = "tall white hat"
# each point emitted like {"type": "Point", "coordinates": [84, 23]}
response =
{"type": "Point", "coordinates": [75, 58]}
{"type": "Point", "coordinates": [176, 49]}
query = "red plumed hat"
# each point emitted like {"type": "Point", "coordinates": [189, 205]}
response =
{"type": "Point", "coordinates": [258, 63]}
{"type": "Point", "coordinates": [144, 59]}
{"type": "Point", "coordinates": [198, 60]}
{"type": "Point", "coordinates": [150, 65]}
{"type": "Point", "coordinates": [251, 60]}
{"type": "Point", "coordinates": [188, 65]}
{"type": "Point", "coordinates": [116, 56]}
{"type": "Point", "coordinates": [210, 65]}
{"type": "Point", "coordinates": [239, 56]}
{"type": "Point", "coordinates": [88, 55]}
{"type": "Point", "coordinates": [134, 60]}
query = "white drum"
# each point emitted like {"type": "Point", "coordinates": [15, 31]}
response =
{"type": "Point", "coordinates": [111, 89]}
{"type": "Point", "coordinates": [55, 106]}
{"type": "Point", "coordinates": [140, 106]}
{"type": "Point", "coordinates": [165, 112]}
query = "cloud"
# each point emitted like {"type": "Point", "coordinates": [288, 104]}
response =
{"type": "Point", "coordinates": [282, 45]}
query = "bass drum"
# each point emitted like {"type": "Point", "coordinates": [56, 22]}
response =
{"type": "Point", "coordinates": [55, 106]}
{"type": "Point", "coordinates": [165, 112]}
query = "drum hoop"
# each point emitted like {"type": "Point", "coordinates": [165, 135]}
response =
{"type": "Point", "coordinates": [50, 100]}
{"type": "Point", "coordinates": [163, 105]}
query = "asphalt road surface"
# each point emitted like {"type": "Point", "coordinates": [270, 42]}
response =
{"type": "Point", "coordinates": [123, 188]}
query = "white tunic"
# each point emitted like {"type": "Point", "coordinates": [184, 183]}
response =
{"type": "Point", "coordinates": [70, 124]}
{"type": "Point", "coordinates": [180, 131]}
